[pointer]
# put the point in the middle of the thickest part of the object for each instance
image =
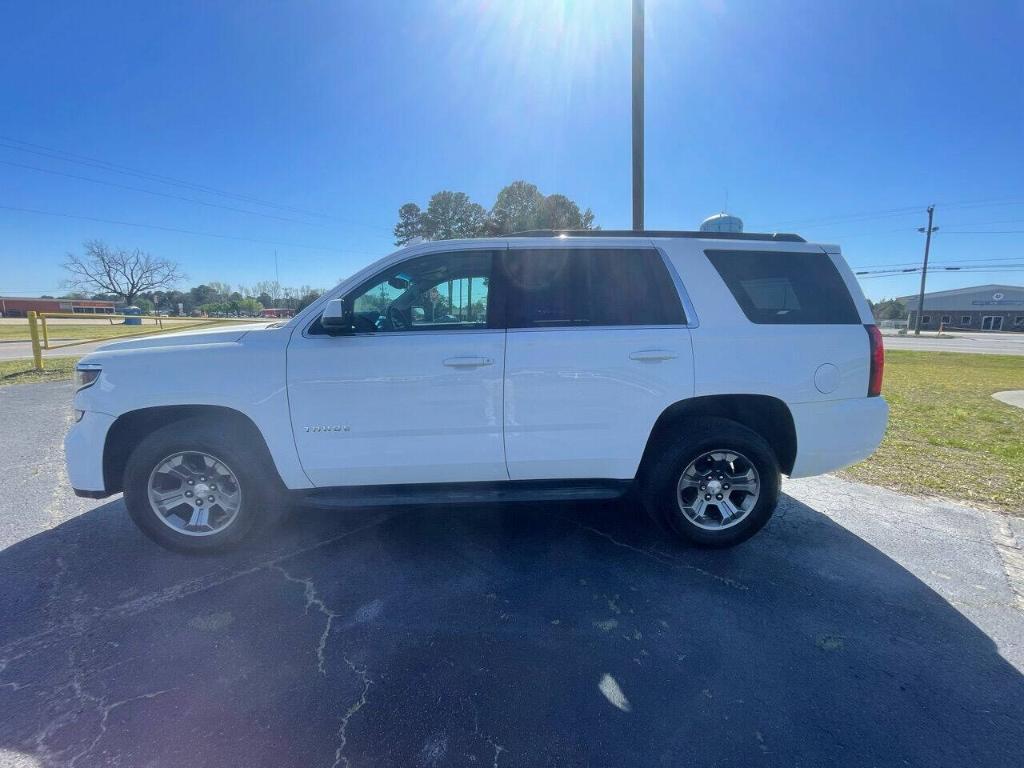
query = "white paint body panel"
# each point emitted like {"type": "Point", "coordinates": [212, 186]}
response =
{"type": "Point", "coordinates": [84, 459]}
{"type": "Point", "coordinates": [578, 406]}
{"type": "Point", "coordinates": [232, 368]}
{"type": "Point", "coordinates": [835, 434]}
{"type": "Point", "coordinates": [394, 411]}
{"type": "Point", "coordinates": [555, 403]}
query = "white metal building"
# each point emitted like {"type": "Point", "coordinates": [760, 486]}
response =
{"type": "Point", "coordinates": [978, 308]}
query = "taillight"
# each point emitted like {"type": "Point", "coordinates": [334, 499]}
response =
{"type": "Point", "coordinates": [877, 360]}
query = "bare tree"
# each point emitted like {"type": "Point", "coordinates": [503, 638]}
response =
{"type": "Point", "coordinates": [122, 273]}
{"type": "Point", "coordinates": [270, 287]}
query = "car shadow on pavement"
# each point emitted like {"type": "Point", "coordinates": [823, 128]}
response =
{"type": "Point", "coordinates": [516, 636]}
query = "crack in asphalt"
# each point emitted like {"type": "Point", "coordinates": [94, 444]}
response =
{"type": "Point", "coordinates": [664, 559]}
{"type": "Point", "coordinates": [78, 624]}
{"type": "Point", "coordinates": [1011, 557]}
{"type": "Point", "coordinates": [498, 748]}
{"type": "Point", "coordinates": [104, 711]}
{"type": "Point", "coordinates": [339, 753]}
{"type": "Point", "coordinates": [71, 713]}
{"type": "Point", "coordinates": [313, 600]}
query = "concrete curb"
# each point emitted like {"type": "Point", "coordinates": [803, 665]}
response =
{"type": "Point", "coordinates": [1014, 397]}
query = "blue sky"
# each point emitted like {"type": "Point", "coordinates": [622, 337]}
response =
{"type": "Point", "coordinates": [838, 121]}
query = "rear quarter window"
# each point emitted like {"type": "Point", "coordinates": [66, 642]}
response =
{"type": "Point", "coordinates": [786, 288]}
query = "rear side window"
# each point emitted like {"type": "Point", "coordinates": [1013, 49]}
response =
{"type": "Point", "coordinates": [778, 287]}
{"type": "Point", "coordinates": [558, 287]}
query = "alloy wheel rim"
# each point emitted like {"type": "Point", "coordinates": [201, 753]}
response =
{"type": "Point", "coordinates": [718, 489]}
{"type": "Point", "coordinates": [194, 493]}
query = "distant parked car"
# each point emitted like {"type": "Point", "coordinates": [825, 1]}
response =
{"type": "Point", "coordinates": [693, 368]}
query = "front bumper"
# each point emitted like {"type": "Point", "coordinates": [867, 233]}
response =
{"type": "Point", "coordinates": [83, 452]}
{"type": "Point", "coordinates": [833, 434]}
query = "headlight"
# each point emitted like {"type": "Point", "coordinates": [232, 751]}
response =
{"type": "Point", "coordinates": [86, 374]}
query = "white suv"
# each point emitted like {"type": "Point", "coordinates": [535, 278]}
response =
{"type": "Point", "coordinates": [692, 367]}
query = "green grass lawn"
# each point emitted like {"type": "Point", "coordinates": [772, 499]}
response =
{"type": "Point", "coordinates": [947, 436]}
{"type": "Point", "coordinates": [22, 372]}
{"type": "Point", "coordinates": [96, 329]}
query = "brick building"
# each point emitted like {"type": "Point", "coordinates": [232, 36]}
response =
{"type": "Point", "coordinates": [11, 306]}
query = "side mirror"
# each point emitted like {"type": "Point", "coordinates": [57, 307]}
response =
{"type": "Point", "coordinates": [335, 319]}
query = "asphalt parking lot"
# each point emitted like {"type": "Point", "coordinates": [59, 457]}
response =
{"type": "Point", "coordinates": [860, 627]}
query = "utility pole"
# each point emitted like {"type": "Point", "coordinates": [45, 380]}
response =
{"type": "Point", "coordinates": [638, 115]}
{"type": "Point", "coordinates": [924, 269]}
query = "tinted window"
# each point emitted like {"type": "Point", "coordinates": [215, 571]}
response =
{"type": "Point", "coordinates": [581, 286]}
{"type": "Point", "coordinates": [786, 287]}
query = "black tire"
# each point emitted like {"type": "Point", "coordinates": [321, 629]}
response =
{"type": "Point", "coordinates": [658, 481]}
{"type": "Point", "coordinates": [263, 502]}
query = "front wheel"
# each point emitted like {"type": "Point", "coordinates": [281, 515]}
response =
{"type": "Point", "coordinates": [192, 489]}
{"type": "Point", "coordinates": [715, 484]}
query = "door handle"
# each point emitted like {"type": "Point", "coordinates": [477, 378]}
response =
{"type": "Point", "coordinates": [649, 355]}
{"type": "Point", "coordinates": [468, 362]}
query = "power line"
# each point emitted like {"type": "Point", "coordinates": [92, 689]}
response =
{"type": "Point", "coordinates": [160, 194]}
{"type": "Point", "coordinates": [183, 231]}
{"type": "Point", "coordinates": [890, 213]}
{"type": "Point", "coordinates": [867, 274]}
{"type": "Point", "coordinates": [984, 232]}
{"type": "Point", "coordinates": [64, 156]}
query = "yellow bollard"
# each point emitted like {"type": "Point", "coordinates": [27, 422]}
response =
{"type": "Point", "coordinates": [33, 330]}
{"type": "Point", "coordinates": [46, 334]}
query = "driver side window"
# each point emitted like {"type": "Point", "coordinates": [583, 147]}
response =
{"type": "Point", "coordinates": [440, 291]}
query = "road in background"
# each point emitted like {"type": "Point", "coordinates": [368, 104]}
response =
{"type": "Point", "coordinates": [959, 341]}
{"type": "Point", "coordinates": [861, 627]}
{"type": "Point", "coordinates": [22, 350]}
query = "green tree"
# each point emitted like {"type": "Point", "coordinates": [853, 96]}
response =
{"type": "Point", "coordinates": [410, 224]}
{"type": "Point", "coordinates": [889, 309]}
{"type": "Point", "coordinates": [249, 306]}
{"type": "Point", "coordinates": [559, 212]}
{"type": "Point", "coordinates": [451, 216]}
{"type": "Point", "coordinates": [517, 207]}
{"type": "Point", "coordinates": [202, 295]}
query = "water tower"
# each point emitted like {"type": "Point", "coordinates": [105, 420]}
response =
{"type": "Point", "coordinates": [722, 222]}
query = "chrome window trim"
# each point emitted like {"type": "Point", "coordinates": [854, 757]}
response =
{"type": "Point", "coordinates": [389, 334]}
{"type": "Point", "coordinates": [674, 327]}
{"type": "Point", "coordinates": [692, 320]}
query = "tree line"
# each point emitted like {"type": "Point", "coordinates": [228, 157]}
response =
{"type": "Point", "coordinates": [519, 207]}
{"type": "Point", "coordinates": [137, 278]}
{"type": "Point", "coordinates": [888, 309]}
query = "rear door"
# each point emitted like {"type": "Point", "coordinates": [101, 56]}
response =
{"type": "Point", "coordinates": [597, 348]}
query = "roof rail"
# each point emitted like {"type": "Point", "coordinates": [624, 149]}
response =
{"type": "Point", "coordinates": [773, 236]}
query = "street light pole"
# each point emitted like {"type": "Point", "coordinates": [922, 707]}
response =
{"type": "Point", "coordinates": [638, 115]}
{"type": "Point", "coordinates": [924, 269]}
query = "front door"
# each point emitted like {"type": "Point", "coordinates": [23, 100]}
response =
{"type": "Point", "coordinates": [992, 323]}
{"type": "Point", "coordinates": [413, 394]}
{"type": "Point", "coordinates": [597, 348]}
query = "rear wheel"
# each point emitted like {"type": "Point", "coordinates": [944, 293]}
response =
{"type": "Point", "coordinates": [716, 484]}
{"type": "Point", "coordinates": [190, 488]}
